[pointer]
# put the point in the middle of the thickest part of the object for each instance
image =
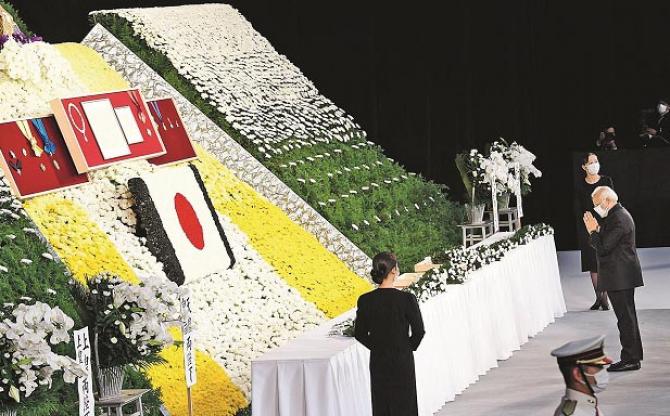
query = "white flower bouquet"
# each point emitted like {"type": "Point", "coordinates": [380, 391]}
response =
{"type": "Point", "coordinates": [519, 154]}
{"type": "Point", "coordinates": [128, 322]}
{"type": "Point", "coordinates": [515, 155]}
{"type": "Point", "coordinates": [27, 361]}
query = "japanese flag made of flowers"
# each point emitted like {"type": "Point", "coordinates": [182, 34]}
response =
{"type": "Point", "coordinates": [182, 228]}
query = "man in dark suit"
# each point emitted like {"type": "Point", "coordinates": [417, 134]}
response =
{"type": "Point", "coordinates": [656, 126]}
{"type": "Point", "coordinates": [620, 271]}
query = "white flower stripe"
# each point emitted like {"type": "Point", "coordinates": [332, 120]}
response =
{"type": "Point", "coordinates": [260, 92]}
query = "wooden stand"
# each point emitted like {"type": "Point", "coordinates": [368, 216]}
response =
{"type": "Point", "coordinates": [474, 233]}
{"type": "Point", "coordinates": [509, 219]}
{"type": "Point", "coordinates": [113, 406]}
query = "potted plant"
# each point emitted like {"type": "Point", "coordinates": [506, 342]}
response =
{"type": "Point", "coordinates": [27, 361]}
{"type": "Point", "coordinates": [128, 324]}
{"type": "Point", "coordinates": [471, 166]}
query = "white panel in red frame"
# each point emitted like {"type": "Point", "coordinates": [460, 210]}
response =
{"type": "Point", "coordinates": [178, 144]}
{"type": "Point", "coordinates": [31, 175]}
{"type": "Point", "coordinates": [81, 141]}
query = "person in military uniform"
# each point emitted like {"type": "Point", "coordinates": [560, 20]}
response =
{"type": "Point", "coordinates": [582, 364]}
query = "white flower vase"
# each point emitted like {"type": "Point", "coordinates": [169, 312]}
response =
{"type": "Point", "coordinates": [110, 381]}
{"type": "Point", "coordinates": [475, 213]}
{"type": "Point", "coordinates": [503, 201]}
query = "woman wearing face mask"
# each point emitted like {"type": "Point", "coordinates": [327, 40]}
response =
{"type": "Point", "coordinates": [383, 321]}
{"type": "Point", "coordinates": [592, 180]}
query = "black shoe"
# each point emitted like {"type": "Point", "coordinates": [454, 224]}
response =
{"type": "Point", "coordinates": [624, 366]}
{"type": "Point", "coordinates": [605, 306]}
{"type": "Point", "coordinates": [596, 305]}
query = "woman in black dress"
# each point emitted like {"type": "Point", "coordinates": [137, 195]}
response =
{"type": "Point", "coordinates": [383, 321]}
{"type": "Point", "coordinates": [592, 180]}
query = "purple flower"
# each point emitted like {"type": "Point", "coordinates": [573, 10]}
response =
{"type": "Point", "coordinates": [20, 37]}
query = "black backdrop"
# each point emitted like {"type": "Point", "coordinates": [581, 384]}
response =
{"type": "Point", "coordinates": [428, 79]}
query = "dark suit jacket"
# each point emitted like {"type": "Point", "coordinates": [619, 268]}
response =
{"type": "Point", "coordinates": [618, 264]}
{"type": "Point", "coordinates": [651, 119]}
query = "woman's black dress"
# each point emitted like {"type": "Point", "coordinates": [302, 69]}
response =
{"type": "Point", "coordinates": [383, 321]}
{"type": "Point", "coordinates": [584, 203]}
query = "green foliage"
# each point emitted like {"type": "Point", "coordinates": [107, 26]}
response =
{"type": "Point", "coordinates": [244, 412]}
{"type": "Point", "coordinates": [410, 232]}
{"type": "Point", "coordinates": [17, 19]}
{"type": "Point", "coordinates": [44, 280]}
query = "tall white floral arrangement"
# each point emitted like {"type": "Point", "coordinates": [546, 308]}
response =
{"type": "Point", "coordinates": [519, 154]}
{"type": "Point", "coordinates": [27, 361]}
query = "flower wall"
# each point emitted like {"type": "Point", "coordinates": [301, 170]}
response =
{"type": "Point", "coordinates": [215, 58]}
{"type": "Point", "coordinates": [284, 282]}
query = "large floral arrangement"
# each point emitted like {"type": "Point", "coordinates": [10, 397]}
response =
{"type": "Point", "coordinates": [128, 322]}
{"type": "Point", "coordinates": [280, 118]}
{"type": "Point", "coordinates": [515, 155]}
{"type": "Point", "coordinates": [28, 333]}
{"type": "Point", "coordinates": [498, 169]}
{"type": "Point", "coordinates": [275, 292]}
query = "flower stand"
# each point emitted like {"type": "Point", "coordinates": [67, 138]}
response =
{"type": "Point", "coordinates": [8, 411]}
{"type": "Point", "coordinates": [113, 406]}
{"type": "Point", "coordinates": [474, 233]}
{"type": "Point", "coordinates": [509, 219]}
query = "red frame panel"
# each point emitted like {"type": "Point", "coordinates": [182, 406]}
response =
{"type": "Point", "coordinates": [178, 144]}
{"type": "Point", "coordinates": [85, 150]}
{"type": "Point", "coordinates": [33, 180]}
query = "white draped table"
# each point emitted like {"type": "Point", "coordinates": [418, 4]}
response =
{"type": "Point", "coordinates": [468, 329]}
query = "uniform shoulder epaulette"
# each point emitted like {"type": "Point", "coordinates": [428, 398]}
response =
{"type": "Point", "coordinates": [569, 407]}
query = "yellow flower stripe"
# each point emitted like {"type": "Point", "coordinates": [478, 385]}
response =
{"type": "Point", "coordinates": [299, 258]}
{"type": "Point", "coordinates": [83, 246]}
{"type": "Point", "coordinates": [91, 69]}
{"type": "Point", "coordinates": [87, 250]}
{"type": "Point", "coordinates": [213, 390]}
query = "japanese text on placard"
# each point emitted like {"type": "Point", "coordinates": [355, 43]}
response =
{"type": "Point", "coordinates": [84, 384]}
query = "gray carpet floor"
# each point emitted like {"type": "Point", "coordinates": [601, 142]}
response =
{"type": "Point", "coordinates": [529, 383]}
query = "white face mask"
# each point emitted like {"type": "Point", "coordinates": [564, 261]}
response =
{"type": "Point", "coordinates": [601, 211]}
{"type": "Point", "coordinates": [602, 379]}
{"type": "Point", "coordinates": [593, 168]}
{"type": "Point", "coordinates": [662, 108]}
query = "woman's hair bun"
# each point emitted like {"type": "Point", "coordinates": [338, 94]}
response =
{"type": "Point", "coordinates": [382, 264]}
{"type": "Point", "coordinates": [378, 275]}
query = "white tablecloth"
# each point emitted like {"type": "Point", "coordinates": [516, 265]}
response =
{"type": "Point", "coordinates": [468, 328]}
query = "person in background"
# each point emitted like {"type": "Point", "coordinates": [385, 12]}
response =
{"type": "Point", "coordinates": [383, 320]}
{"type": "Point", "coordinates": [607, 139]}
{"type": "Point", "coordinates": [656, 126]}
{"type": "Point", "coordinates": [592, 180]}
{"type": "Point", "coordinates": [582, 364]}
{"type": "Point", "coordinates": [620, 271]}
